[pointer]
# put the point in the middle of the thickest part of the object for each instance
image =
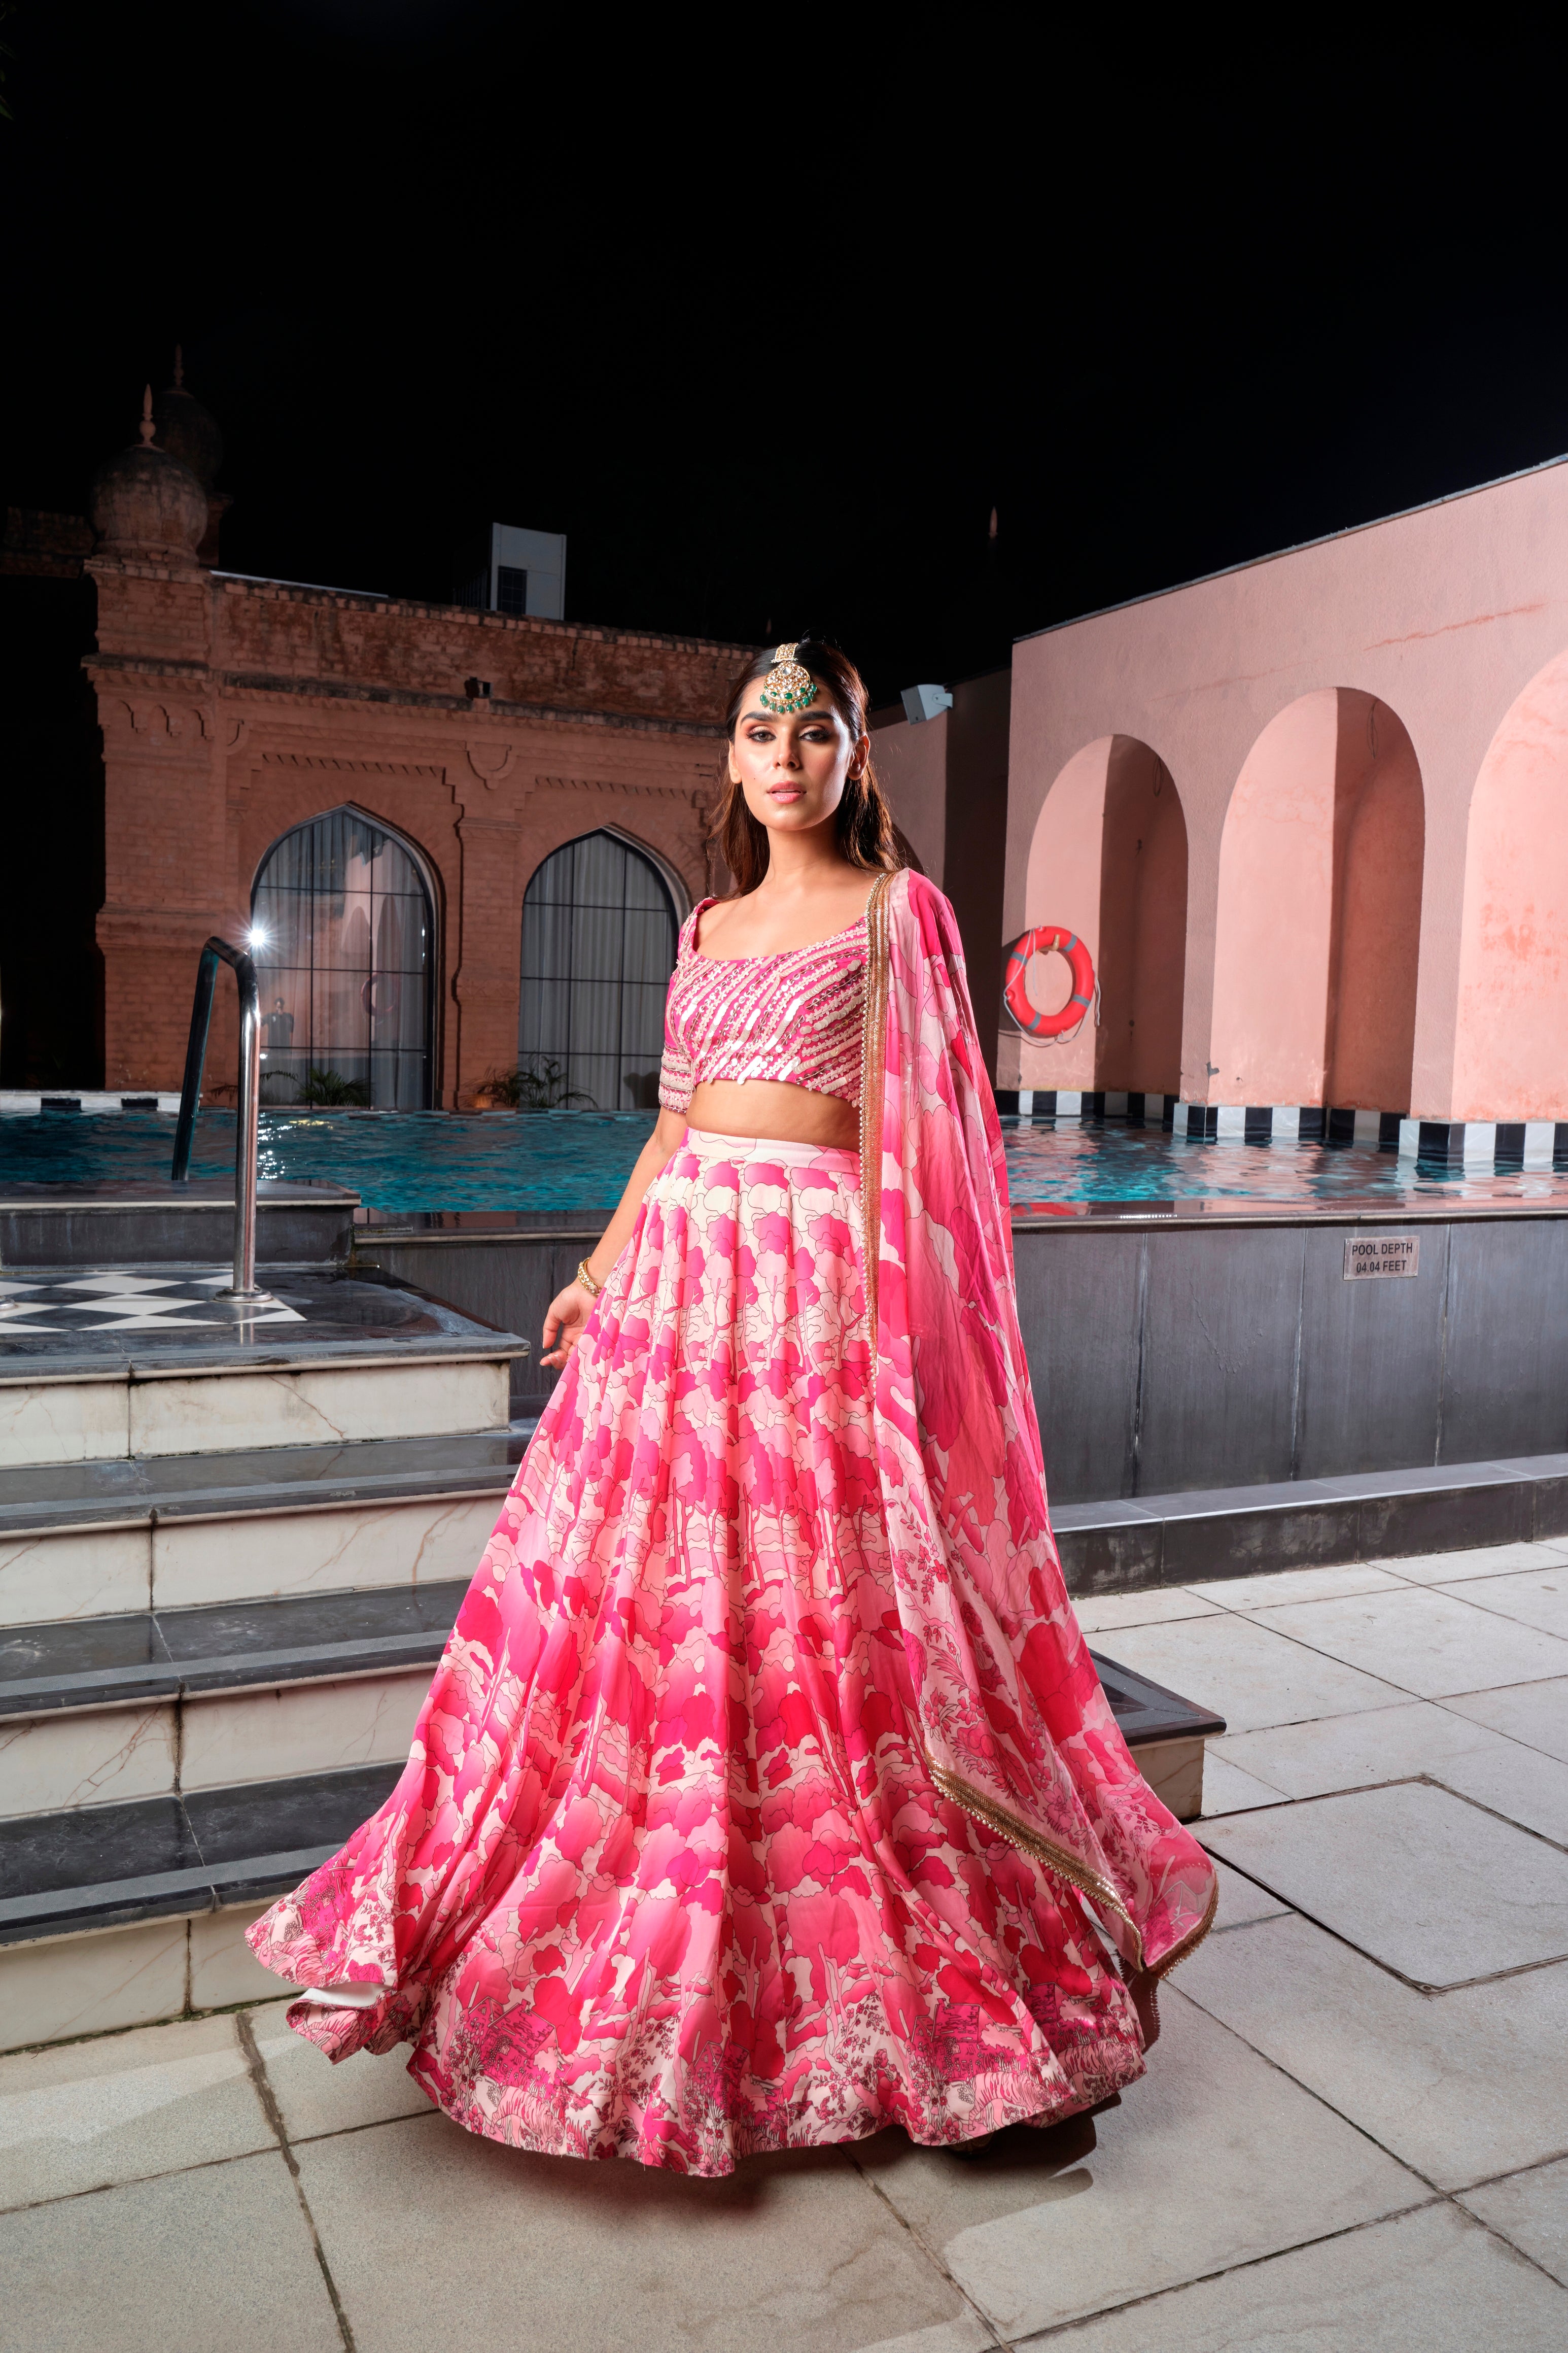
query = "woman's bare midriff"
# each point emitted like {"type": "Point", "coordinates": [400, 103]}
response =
{"type": "Point", "coordinates": [770, 1107]}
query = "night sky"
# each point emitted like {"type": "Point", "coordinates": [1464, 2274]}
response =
{"type": "Point", "coordinates": [767, 315]}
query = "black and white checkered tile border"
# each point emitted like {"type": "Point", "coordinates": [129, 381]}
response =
{"type": "Point", "coordinates": [21, 1103]}
{"type": "Point", "coordinates": [1486, 1143]}
{"type": "Point", "coordinates": [1284, 1124]}
{"type": "Point", "coordinates": [1060, 1103]}
{"type": "Point", "coordinates": [1453, 1144]}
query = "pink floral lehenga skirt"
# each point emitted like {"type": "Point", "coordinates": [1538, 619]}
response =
{"type": "Point", "coordinates": [666, 1877]}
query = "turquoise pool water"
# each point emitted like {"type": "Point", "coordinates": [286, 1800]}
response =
{"type": "Point", "coordinates": [406, 1162]}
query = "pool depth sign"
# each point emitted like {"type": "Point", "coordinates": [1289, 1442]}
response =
{"type": "Point", "coordinates": [1369, 1256]}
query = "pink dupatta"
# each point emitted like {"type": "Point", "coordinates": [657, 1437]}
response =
{"type": "Point", "coordinates": [1016, 1727]}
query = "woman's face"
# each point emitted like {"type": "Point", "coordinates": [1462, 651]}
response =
{"type": "Point", "coordinates": [793, 768]}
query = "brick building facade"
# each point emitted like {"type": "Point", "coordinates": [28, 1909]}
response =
{"type": "Point", "coordinates": [231, 710]}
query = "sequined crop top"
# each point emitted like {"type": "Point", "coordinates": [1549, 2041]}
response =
{"type": "Point", "coordinates": [797, 1017]}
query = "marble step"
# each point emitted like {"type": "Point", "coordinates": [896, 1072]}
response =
{"type": "Point", "coordinates": [1166, 1733]}
{"type": "Point", "coordinates": [65, 1871]}
{"type": "Point", "coordinates": [122, 1913]}
{"type": "Point", "coordinates": [103, 1867]}
{"type": "Point", "coordinates": [115, 1221]}
{"type": "Point", "coordinates": [124, 1361]}
{"type": "Point", "coordinates": [112, 1716]}
{"type": "Point", "coordinates": [110, 1539]}
{"type": "Point", "coordinates": [1128, 1544]}
{"type": "Point", "coordinates": [159, 1703]}
{"type": "Point", "coordinates": [104, 1710]}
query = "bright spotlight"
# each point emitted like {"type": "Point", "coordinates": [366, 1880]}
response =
{"type": "Point", "coordinates": [255, 937]}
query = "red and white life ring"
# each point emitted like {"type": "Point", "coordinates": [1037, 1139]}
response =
{"type": "Point", "coordinates": [1041, 941]}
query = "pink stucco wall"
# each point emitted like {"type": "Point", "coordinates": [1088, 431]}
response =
{"type": "Point", "coordinates": [1109, 861]}
{"type": "Point", "coordinates": [912, 767]}
{"type": "Point", "coordinates": [1317, 928]}
{"type": "Point", "coordinates": [1513, 961]}
{"type": "Point", "coordinates": [1368, 740]}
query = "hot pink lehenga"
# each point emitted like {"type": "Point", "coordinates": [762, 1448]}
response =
{"type": "Point", "coordinates": [765, 1794]}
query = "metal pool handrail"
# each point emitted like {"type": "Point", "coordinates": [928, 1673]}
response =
{"type": "Point", "coordinates": [248, 1133]}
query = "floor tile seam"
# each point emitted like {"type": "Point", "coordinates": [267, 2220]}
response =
{"type": "Point", "coordinates": [1312, 1651]}
{"type": "Point", "coordinates": [1257, 1610]}
{"type": "Point", "coordinates": [1496, 1576]}
{"type": "Point", "coordinates": [1449, 1709]}
{"type": "Point", "coordinates": [1441, 2193]}
{"type": "Point", "coordinates": [273, 2113]}
{"type": "Point", "coordinates": [1263, 1612]}
{"type": "Point", "coordinates": [1520, 2254]}
{"type": "Point", "coordinates": [999, 2343]}
{"type": "Point", "coordinates": [1549, 1543]}
{"type": "Point", "coordinates": [1297, 1912]}
{"type": "Point", "coordinates": [371, 2123]}
{"type": "Point", "coordinates": [1365, 1716]}
{"type": "Point", "coordinates": [1247, 1610]}
{"type": "Point", "coordinates": [1503, 1617]}
{"type": "Point", "coordinates": [1317, 1796]}
{"type": "Point", "coordinates": [1218, 1758]}
{"type": "Point", "coordinates": [267, 2147]}
{"type": "Point", "coordinates": [1324, 2101]}
{"type": "Point", "coordinates": [1321, 2099]}
{"type": "Point", "coordinates": [1415, 1984]}
{"type": "Point", "coordinates": [1424, 1779]}
{"type": "Point", "coordinates": [1494, 1813]}
{"type": "Point", "coordinates": [1397, 1698]}
{"type": "Point", "coordinates": [1226, 2270]}
{"type": "Point", "coordinates": [143, 2026]}
{"type": "Point", "coordinates": [1510, 2173]}
{"type": "Point", "coordinates": [1260, 1614]}
{"type": "Point", "coordinates": [1492, 1978]}
{"type": "Point", "coordinates": [1248, 1876]}
{"type": "Point", "coordinates": [1404, 1690]}
{"type": "Point", "coordinates": [1240, 1927]}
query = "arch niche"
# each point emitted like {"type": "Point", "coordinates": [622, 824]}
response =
{"type": "Point", "coordinates": [1510, 1044]}
{"type": "Point", "coordinates": [347, 907]}
{"type": "Point", "coordinates": [1108, 859]}
{"type": "Point", "coordinates": [1318, 932]}
{"type": "Point", "coordinates": [601, 917]}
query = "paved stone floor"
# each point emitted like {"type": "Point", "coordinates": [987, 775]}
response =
{"type": "Point", "coordinates": [1353, 2133]}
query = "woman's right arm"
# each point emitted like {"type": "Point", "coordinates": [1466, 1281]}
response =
{"type": "Point", "coordinates": [570, 1308]}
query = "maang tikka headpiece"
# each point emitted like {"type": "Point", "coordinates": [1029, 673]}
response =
{"type": "Point", "coordinates": [789, 686]}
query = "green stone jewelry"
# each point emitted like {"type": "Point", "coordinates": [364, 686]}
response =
{"type": "Point", "coordinates": [788, 686]}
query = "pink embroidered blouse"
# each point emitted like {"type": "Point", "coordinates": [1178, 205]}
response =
{"type": "Point", "coordinates": [795, 1016]}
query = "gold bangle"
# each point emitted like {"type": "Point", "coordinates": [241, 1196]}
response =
{"type": "Point", "coordinates": [586, 1280]}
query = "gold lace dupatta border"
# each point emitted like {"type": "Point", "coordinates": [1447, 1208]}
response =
{"type": "Point", "coordinates": [873, 1072]}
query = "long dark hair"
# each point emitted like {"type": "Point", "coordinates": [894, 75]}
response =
{"type": "Point", "coordinates": [867, 834]}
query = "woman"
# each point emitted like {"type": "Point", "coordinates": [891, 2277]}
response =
{"type": "Point", "coordinates": [766, 1794]}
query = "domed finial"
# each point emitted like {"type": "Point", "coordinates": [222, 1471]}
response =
{"type": "Point", "coordinates": [179, 367]}
{"type": "Point", "coordinates": [147, 505]}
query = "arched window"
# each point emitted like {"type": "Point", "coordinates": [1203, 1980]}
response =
{"type": "Point", "coordinates": [599, 930]}
{"type": "Point", "coordinates": [345, 967]}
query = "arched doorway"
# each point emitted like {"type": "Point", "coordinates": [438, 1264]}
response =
{"type": "Point", "coordinates": [599, 929]}
{"type": "Point", "coordinates": [1510, 1046]}
{"type": "Point", "coordinates": [1318, 929]}
{"type": "Point", "coordinates": [1108, 859]}
{"type": "Point", "coordinates": [347, 917]}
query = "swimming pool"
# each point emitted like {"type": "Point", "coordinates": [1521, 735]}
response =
{"type": "Point", "coordinates": [403, 1163]}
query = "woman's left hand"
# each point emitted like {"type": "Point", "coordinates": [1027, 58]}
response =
{"type": "Point", "coordinates": [566, 1324]}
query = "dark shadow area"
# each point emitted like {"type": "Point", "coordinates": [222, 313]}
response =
{"type": "Point", "coordinates": [51, 873]}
